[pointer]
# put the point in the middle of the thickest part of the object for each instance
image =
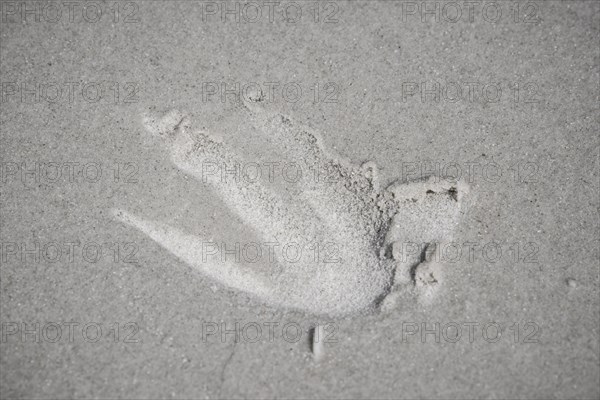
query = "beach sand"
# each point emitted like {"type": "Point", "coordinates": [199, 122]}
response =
{"type": "Point", "coordinates": [504, 97]}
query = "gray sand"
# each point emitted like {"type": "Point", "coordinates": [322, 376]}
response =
{"type": "Point", "coordinates": [502, 301]}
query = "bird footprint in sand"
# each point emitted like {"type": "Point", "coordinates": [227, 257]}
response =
{"type": "Point", "coordinates": [370, 232]}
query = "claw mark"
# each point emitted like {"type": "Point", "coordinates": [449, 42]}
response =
{"type": "Point", "coordinates": [366, 224]}
{"type": "Point", "coordinates": [224, 368]}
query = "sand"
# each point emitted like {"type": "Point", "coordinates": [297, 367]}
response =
{"type": "Point", "coordinates": [129, 230]}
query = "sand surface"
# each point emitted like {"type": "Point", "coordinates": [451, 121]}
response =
{"type": "Point", "coordinates": [501, 302]}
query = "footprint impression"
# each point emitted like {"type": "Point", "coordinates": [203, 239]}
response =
{"type": "Point", "coordinates": [382, 237]}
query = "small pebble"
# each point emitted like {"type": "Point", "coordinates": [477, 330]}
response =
{"type": "Point", "coordinates": [317, 344]}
